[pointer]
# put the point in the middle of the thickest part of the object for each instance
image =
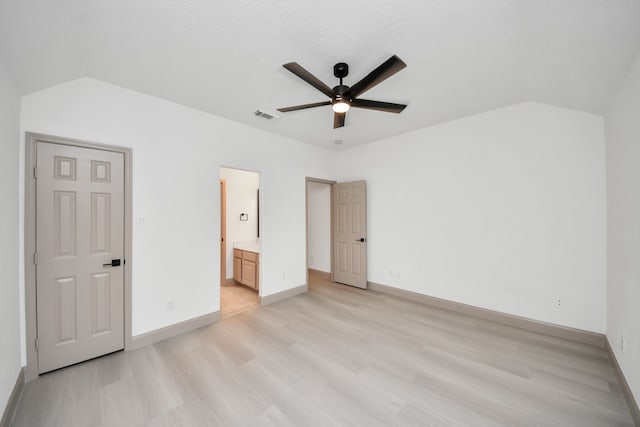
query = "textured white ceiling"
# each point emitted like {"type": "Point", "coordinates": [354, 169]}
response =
{"type": "Point", "coordinates": [463, 56]}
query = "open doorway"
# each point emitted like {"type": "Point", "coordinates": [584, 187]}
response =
{"type": "Point", "coordinates": [319, 230]}
{"type": "Point", "coordinates": [239, 242]}
{"type": "Point", "coordinates": [337, 231]}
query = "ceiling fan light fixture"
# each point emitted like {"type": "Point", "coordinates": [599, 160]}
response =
{"type": "Point", "coordinates": [340, 106]}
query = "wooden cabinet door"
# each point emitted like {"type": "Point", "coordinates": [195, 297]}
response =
{"type": "Point", "coordinates": [237, 269]}
{"type": "Point", "coordinates": [257, 284]}
{"type": "Point", "coordinates": [249, 273]}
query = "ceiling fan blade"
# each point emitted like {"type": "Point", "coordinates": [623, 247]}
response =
{"type": "Point", "coordinates": [338, 120]}
{"type": "Point", "coordinates": [388, 107]}
{"type": "Point", "coordinates": [387, 69]}
{"type": "Point", "coordinates": [297, 69]}
{"type": "Point", "coordinates": [303, 107]}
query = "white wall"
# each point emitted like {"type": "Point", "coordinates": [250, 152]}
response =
{"type": "Point", "coordinates": [242, 197]}
{"type": "Point", "coordinates": [10, 357]}
{"type": "Point", "coordinates": [319, 226]}
{"type": "Point", "coordinates": [622, 124]}
{"type": "Point", "coordinates": [177, 153]}
{"type": "Point", "coordinates": [504, 210]}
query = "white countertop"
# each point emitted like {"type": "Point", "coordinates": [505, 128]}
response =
{"type": "Point", "coordinates": [248, 246]}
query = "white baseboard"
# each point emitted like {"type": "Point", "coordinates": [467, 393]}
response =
{"type": "Point", "coordinates": [572, 334]}
{"type": "Point", "coordinates": [279, 296]}
{"type": "Point", "coordinates": [14, 400]}
{"type": "Point", "coordinates": [578, 335]}
{"type": "Point", "coordinates": [632, 403]}
{"type": "Point", "coordinates": [147, 338]}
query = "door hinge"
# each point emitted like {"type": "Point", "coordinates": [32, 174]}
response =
{"type": "Point", "coordinates": [35, 258]}
{"type": "Point", "coordinates": [35, 172]}
{"type": "Point", "coordinates": [37, 347]}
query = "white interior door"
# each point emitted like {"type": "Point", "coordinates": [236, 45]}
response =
{"type": "Point", "coordinates": [350, 233]}
{"type": "Point", "coordinates": [80, 232]}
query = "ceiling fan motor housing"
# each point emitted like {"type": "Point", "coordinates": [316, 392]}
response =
{"type": "Point", "coordinates": [340, 90]}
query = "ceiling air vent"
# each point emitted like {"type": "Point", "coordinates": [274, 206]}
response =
{"type": "Point", "coordinates": [266, 115]}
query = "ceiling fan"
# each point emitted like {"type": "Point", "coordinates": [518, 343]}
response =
{"type": "Point", "coordinates": [344, 97]}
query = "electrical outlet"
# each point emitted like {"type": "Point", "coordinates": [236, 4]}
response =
{"type": "Point", "coordinates": [171, 305]}
{"type": "Point", "coordinates": [558, 303]}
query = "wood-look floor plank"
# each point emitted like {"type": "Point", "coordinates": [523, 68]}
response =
{"type": "Point", "coordinates": [337, 356]}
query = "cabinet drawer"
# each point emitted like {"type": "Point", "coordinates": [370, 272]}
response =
{"type": "Point", "coordinates": [237, 253]}
{"type": "Point", "coordinates": [250, 256]}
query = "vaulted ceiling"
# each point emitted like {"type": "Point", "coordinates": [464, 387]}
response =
{"type": "Point", "coordinates": [225, 57]}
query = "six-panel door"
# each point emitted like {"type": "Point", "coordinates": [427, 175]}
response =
{"type": "Point", "coordinates": [349, 233]}
{"type": "Point", "coordinates": [79, 227]}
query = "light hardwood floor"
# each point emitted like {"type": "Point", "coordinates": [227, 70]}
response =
{"type": "Point", "coordinates": [337, 356]}
{"type": "Point", "coordinates": [235, 299]}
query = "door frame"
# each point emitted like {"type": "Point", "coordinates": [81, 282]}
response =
{"type": "Point", "coordinates": [307, 180]}
{"type": "Point", "coordinates": [31, 140]}
{"type": "Point", "coordinates": [259, 224]}
{"type": "Point", "coordinates": [223, 231]}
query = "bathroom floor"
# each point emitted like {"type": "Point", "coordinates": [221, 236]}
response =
{"type": "Point", "coordinates": [235, 299]}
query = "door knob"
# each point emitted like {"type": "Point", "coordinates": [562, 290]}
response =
{"type": "Point", "coordinates": [113, 263]}
{"type": "Point", "coordinates": [362, 239]}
